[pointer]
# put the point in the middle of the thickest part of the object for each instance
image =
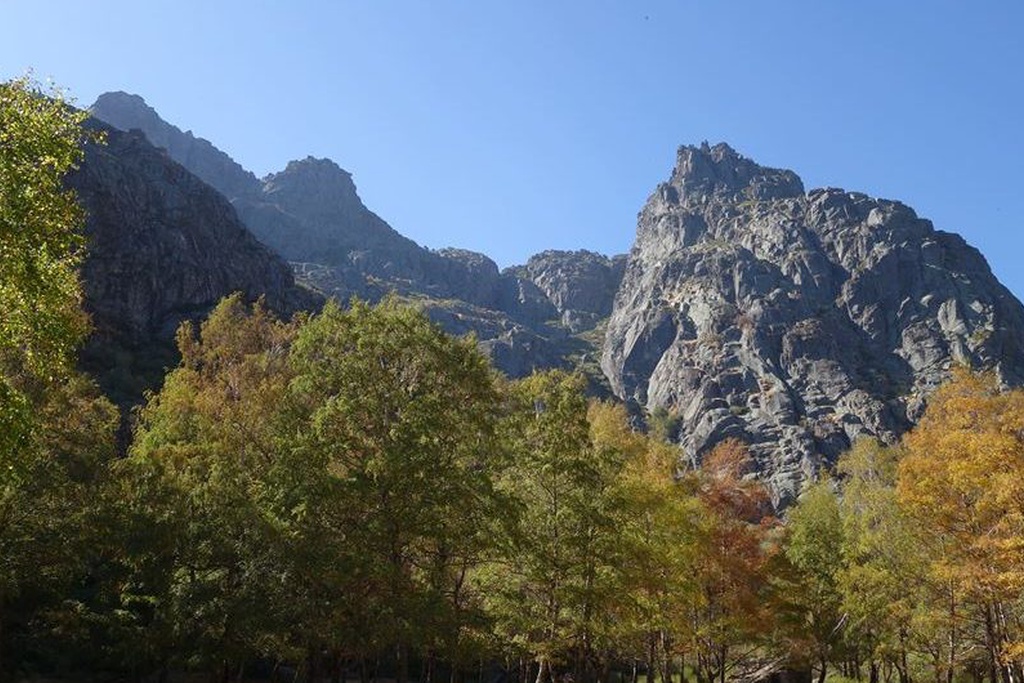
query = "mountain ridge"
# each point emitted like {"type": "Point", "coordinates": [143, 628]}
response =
{"type": "Point", "coordinates": [311, 214]}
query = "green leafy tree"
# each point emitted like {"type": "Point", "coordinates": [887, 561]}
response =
{"type": "Point", "coordinates": [814, 546]}
{"type": "Point", "coordinates": [403, 418]}
{"type": "Point", "coordinates": [54, 429]}
{"type": "Point", "coordinates": [878, 582]}
{"type": "Point", "coordinates": [208, 449]}
{"type": "Point", "coordinates": [539, 593]}
{"type": "Point", "coordinates": [41, 139]}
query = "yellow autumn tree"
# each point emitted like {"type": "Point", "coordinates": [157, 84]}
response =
{"type": "Point", "coordinates": [962, 480]}
{"type": "Point", "coordinates": [657, 545]}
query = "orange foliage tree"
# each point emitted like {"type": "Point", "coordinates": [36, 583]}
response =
{"type": "Point", "coordinates": [728, 611]}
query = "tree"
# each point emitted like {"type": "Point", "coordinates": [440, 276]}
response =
{"type": "Point", "coordinates": [814, 546]}
{"type": "Point", "coordinates": [325, 487]}
{"type": "Point", "coordinates": [41, 140]}
{"type": "Point", "coordinates": [729, 608]}
{"type": "Point", "coordinates": [541, 592]}
{"type": "Point", "coordinates": [55, 431]}
{"type": "Point", "coordinates": [884, 593]}
{"type": "Point", "coordinates": [961, 481]}
{"type": "Point", "coordinates": [209, 450]}
{"type": "Point", "coordinates": [657, 543]}
{"type": "Point", "coordinates": [403, 418]}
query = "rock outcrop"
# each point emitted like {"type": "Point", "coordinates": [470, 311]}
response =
{"type": "Point", "coordinates": [747, 307]}
{"type": "Point", "coordinates": [581, 285]}
{"type": "Point", "coordinates": [796, 321]}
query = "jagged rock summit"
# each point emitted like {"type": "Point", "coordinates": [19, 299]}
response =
{"type": "Point", "coordinates": [309, 213]}
{"type": "Point", "coordinates": [795, 321]}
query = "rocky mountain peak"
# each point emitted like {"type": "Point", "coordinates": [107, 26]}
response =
{"type": "Point", "coordinates": [796, 322]}
{"type": "Point", "coordinates": [313, 182]}
{"type": "Point", "coordinates": [704, 171]}
{"type": "Point", "coordinates": [322, 170]}
{"type": "Point", "coordinates": [131, 110]}
{"type": "Point", "coordinates": [580, 284]}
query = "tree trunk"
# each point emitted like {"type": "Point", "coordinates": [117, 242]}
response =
{"type": "Point", "coordinates": [311, 673]}
{"type": "Point", "coordinates": [666, 672]}
{"type": "Point", "coordinates": [428, 675]}
{"type": "Point", "coordinates": [824, 670]}
{"type": "Point", "coordinates": [651, 665]}
{"type": "Point", "coordinates": [952, 635]}
{"type": "Point", "coordinates": [336, 667]}
{"type": "Point", "coordinates": [1011, 668]}
{"type": "Point", "coordinates": [402, 663]}
{"type": "Point", "coordinates": [992, 645]}
{"type": "Point", "coordinates": [542, 670]}
{"type": "Point", "coordinates": [904, 668]}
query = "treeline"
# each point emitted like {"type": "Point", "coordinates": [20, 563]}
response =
{"type": "Point", "coordinates": [355, 494]}
{"type": "Point", "coordinates": [357, 490]}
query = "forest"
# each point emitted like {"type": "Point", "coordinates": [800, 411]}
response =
{"type": "Point", "coordinates": [355, 495]}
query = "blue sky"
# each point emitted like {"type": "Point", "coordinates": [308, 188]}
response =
{"type": "Point", "coordinates": [512, 127]}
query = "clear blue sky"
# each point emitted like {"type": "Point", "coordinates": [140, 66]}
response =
{"type": "Point", "coordinates": [509, 127]}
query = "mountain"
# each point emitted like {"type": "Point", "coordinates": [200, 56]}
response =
{"type": "Point", "coordinates": [795, 321]}
{"type": "Point", "coordinates": [310, 213]}
{"type": "Point", "coordinates": [163, 247]}
{"type": "Point", "coordinates": [747, 307]}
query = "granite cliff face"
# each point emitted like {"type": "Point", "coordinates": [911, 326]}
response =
{"type": "Point", "coordinates": [796, 322]}
{"type": "Point", "coordinates": [311, 214]}
{"type": "Point", "coordinates": [163, 247]}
